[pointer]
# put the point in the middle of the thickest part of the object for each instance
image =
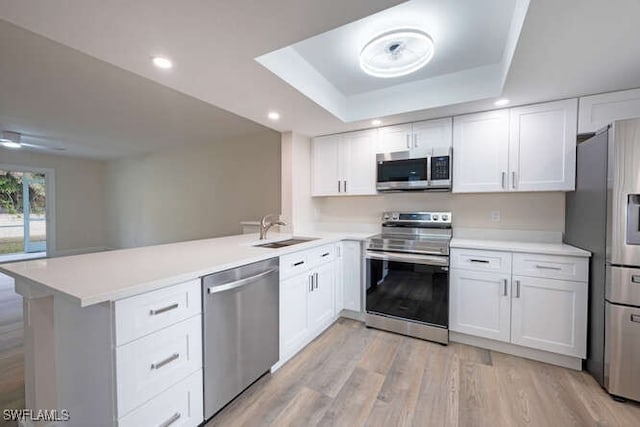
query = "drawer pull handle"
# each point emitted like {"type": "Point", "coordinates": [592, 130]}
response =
{"type": "Point", "coordinates": [166, 361]}
{"type": "Point", "coordinates": [295, 264]}
{"type": "Point", "coordinates": [483, 261]}
{"type": "Point", "coordinates": [153, 312]}
{"type": "Point", "coordinates": [635, 318]}
{"type": "Point", "coordinates": [175, 417]}
{"type": "Point", "coordinates": [326, 254]}
{"type": "Point", "coordinates": [635, 278]}
{"type": "Point", "coordinates": [548, 267]}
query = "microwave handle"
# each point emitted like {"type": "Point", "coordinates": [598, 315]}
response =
{"type": "Point", "coordinates": [429, 171]}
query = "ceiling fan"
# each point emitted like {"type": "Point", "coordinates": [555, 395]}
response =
{"type": "Point", "coordinates": [13, 140]}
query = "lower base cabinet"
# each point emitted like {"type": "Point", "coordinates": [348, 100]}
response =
{"type": "Point", "coordinates": [548, 315]}
{"type": "Point", "coordinates": [539, 309]}
{"type": "Point", "coordinates": [307, 297]}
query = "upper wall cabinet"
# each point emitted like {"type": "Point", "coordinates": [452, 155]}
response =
{"type": "Point", "coordinates": [418, 138]}
{"type": "Point", "coordinates": [481, 152]}
{"type": "Point", "coordinates": [528, 148]}
{"type": "Point", "coordinates": [597, 111]}
{"type": "Point", "coordinates": [344, 164]}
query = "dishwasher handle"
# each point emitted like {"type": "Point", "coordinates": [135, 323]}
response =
{"type": "Point", "coordinates": [238, 283]}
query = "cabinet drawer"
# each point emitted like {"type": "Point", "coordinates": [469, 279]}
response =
{"type": "Point", "coordinates": [321, 255]}
{"type": "Point", "coordinates": [480, 260]}
{"type": "Point", "coordinates": [293, 264]}
{"type": "Point", "coordinates": [178, 406]}
{"type": "Point", "coordinates": [551, 267]}
{"type": "Point", "coordinates": [148, 366]}
{"type": "Point", "coordinates": [143, 314]}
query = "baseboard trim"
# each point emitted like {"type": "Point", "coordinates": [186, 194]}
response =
{"type": "Point", "coordinates": [353, 315]}
{"type": "Point", "coordinates": [570, 362]}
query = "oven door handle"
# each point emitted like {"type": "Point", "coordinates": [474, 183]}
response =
{"type": "Point", "coordinates": [414, 259]}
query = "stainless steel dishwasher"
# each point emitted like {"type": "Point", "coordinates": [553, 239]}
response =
{"type": "Point", "coordinates": [240, 329]}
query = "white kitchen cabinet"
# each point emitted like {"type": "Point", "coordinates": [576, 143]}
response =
{"type": "Point", "coordinates": [549, 315]}
{"type": "Point", "coordinates": [350, 273]}
{"type": "Point", "coordinates": [392, 139]}
{"type": "Point", "coordinates": [293, 313]}
{"type": "Point", "coordinates": [597, 111]}
{"type": "Point", "coordinates": [542, 146]}
{"type": "Point", "coordinates": [344, 164]}
{"type": "Point", "coordinates": [529, 148]}
{"type": "Point", "coordinates": [321, 299]}
{"type": "Point", "coordinates": [480, 304]}
{"type": "Point", "coordinates": [537, 301]}
{"type": "Point", "coordinates": [418, 138]}
{"type": "Point", "coordinates": [307, 297]}
{"type": "Point", "coordinates": [326, 178]}
{"type": "Point", "coordinates": [481, 152]}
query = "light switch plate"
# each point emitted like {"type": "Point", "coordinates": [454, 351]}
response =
{"type": "Point", "coordinates": [495, 216]}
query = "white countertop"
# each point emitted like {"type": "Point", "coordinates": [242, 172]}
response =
{"type": "Point", "coordinates": [108, 276]}
{"type": "Point", "coordinates": [548, 248]}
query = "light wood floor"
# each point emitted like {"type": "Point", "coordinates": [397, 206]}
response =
{"type": "Point", "coordinates": [11, 350]}
{"type": "Point", "coordinates": [354, 376]}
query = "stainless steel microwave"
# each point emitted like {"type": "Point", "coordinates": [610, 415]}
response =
{"type": "Point", "coordinates": [399, 172]}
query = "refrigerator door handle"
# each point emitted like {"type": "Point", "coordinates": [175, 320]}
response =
{"type": "Point", "coordinates": [633, 219]}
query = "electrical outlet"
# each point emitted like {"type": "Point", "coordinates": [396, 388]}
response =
{"type": "Point", "coordinates": [495, 216]}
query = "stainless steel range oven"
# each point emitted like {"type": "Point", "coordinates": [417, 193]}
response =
{"type": "Point", "coordinates": [408, 275]}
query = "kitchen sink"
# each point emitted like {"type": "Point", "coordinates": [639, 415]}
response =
{"type": "Point", "coordinates": [285, 243]}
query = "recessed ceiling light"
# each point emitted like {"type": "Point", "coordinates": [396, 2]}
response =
{"type": "Point", "coordinates": [376, 122]}
{"type": "Point", "coordinates": [162, 62]}
{"type": "Point", "coordinates": [273, 115]}
{"type": "Point", "coordinates": [7, 143]}
{"type": "Point", "coordinates": [396, 53]}
{"type": "Point", "coordinates": [501, 102]}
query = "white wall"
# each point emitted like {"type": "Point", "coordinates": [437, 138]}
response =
{"type": "Point", "coordinates": [194, 192]}
{"type": "Point", "coordinates": [518, 211]}
{"type": "Point", "coordinates": [297, 204]}
{"type": "Point", "coordinates": [79, 192]}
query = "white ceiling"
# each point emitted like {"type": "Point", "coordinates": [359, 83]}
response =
{"type": "Point", "coordinates": [467, 34]}
{"type": "Point", "coordinates": [567, 48]}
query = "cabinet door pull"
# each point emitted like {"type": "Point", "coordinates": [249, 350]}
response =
{"type": "Point", "coordinates": [504, 287]}
{"type": "Point", "coordinates": [175, 417]}
{"type": "Point", "coordinates": [415, 140]}
{"type": "Point", "coordinates": [166, 361]}
{"type": "Point", "coordinates": [338, 186]}
{"type": "Point", "coordinates": [156, 311]}
{"type": "Point", "coordinates": [504, 175]}
{"type": "Point", "coordinates": [517, 288]}
{"type": "Point", "coordinates": [408, 141]}
{"type": "Point", "coordinates": [483, 261]}
{"type": "Point", "coordinates": [548, 267]}
{"type": "Point", "coordinates": [325, 254]}
{"type": "Point", "coordinates": [345, 185]}
{"type": "Point", "coordinates": [513, 180]}
{"type": "Point", "coordinates": [295, 264]}
{"type": "Point", "coordinates": [635, 318]}
{"type": "Point", "coordinates": [311, 283]}
{"type": "Point", "coordinates": [316, 274]}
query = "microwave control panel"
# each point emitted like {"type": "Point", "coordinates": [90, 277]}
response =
{"type": "Point", "coordinates": [440, 168]}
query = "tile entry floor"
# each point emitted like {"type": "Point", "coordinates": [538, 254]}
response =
{"type": "Point", "coordinates": [354, 376]}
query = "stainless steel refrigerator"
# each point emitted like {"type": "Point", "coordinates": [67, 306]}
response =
{"type": "Point", "coordinates": [603, 216]}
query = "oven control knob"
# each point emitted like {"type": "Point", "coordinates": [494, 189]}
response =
{"type": "Point", "coordinates": [435, 217]}
{"type": "Point", "coordinates": [386, 217]}
{"type": "Point", "coordinates": [445, 217]}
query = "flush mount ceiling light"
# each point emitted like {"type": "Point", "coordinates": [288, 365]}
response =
{"type": "Point", "coordinates": [162, 62]}
{"type": "Point", "coordinates": [396, 53]}
{"type": "Point", "coordinates": [10, 140]}
{"type": "Point", "coordinates": [273, 115]}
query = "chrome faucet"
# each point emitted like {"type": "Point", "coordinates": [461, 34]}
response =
{"type": "Point", "coordinates": [266, 224]}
